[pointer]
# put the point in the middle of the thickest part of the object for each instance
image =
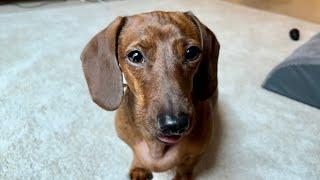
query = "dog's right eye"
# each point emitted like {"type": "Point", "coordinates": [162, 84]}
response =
{"type": "Point", "coordinates": [135, 56]}
{"type": "Point", "coordinates": [192, 53]}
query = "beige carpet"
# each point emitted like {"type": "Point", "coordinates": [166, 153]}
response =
{"type": "Point", "coordinates": [50, 129]}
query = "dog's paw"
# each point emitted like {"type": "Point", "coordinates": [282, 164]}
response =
{"type": "Point", "coordinates": [140, 174]}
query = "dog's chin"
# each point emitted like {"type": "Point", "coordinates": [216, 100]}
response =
{"type": "Point", "coordinates": [171, 140]}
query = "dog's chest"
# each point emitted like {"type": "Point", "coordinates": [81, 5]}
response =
{"type": "Point", "coordinates": [170, 158]}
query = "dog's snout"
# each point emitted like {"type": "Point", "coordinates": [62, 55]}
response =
{"type": "Point", "coordinates": [172, 125]}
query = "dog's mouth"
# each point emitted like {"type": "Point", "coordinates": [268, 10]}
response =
{"type": "Point", "coordinates": [170, 139]}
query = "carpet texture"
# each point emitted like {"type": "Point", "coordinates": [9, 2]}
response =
{"type": "Point", "coordinates": [50, 128]}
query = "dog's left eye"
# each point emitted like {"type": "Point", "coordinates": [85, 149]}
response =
{"type": "Point", "coordinates": [135, 56]}
{"type": "Point", "coordinates": [192, 53]}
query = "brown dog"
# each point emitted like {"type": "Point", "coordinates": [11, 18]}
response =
{"type": "Point", "coordinates": [165, 115]}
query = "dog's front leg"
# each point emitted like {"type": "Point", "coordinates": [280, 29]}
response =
{"type": "Point", "coordinates": [184, 171]}
{"type": "Point", "coordinates": [138, 172]}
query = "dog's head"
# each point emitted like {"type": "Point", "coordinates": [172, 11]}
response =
{"type": "Point", "coordinates": [169, 60]}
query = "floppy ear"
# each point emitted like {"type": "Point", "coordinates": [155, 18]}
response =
{"type": "Point", "coordinates": [205, 80]}
{"type": "Point", "coordinates": [101, 68]}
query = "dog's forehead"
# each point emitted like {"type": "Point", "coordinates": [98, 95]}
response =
{"type": "Point", "coordinates": [160, 25]}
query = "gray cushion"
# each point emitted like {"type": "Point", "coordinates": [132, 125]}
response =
{"type": "Point", "coordinates": [298, 77]}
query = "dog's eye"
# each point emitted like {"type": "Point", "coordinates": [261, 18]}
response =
{"type": "Point", "coordinates": [135, 56]}
{"type": "Point", "coordinates": [192, 53]}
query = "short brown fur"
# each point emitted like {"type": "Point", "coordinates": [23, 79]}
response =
{"type": "Point", "coordinates": [164, 82]}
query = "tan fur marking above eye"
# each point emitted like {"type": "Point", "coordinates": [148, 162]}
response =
{"type": "Point", "coordinates": [145, 43]}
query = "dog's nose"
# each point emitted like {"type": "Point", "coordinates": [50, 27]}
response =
{"type": "Point", "coordinates": [172, 125]}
